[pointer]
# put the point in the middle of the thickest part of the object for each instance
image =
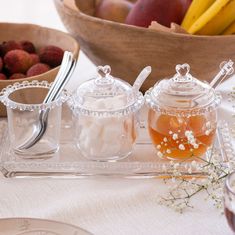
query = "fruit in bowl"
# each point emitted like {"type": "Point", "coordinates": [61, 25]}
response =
{"type": "Point", "coordinates": [114, 10]}
{"type": "Point", "coordinates": [202, 17]}
{"type": "Point", "coordinates": [25, 43]}
{"type": "Point", "coordinates": [164, 12]}
{"type": "Point", "coordinates": [127, 48]}
{"type": "Point", "coordinates": [20, 59]}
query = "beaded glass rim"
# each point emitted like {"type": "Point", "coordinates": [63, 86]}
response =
{"type": "Point", "coordinates": [132, 108]}
{"type": "Point", "coordinates": [180, 111]}
{"type": "Point", "coordinates": [7, 91]}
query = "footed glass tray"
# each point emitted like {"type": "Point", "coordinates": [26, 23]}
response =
{"type": "Point", "coordinates": [69, 162]}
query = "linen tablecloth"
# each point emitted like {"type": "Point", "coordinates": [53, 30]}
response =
{"type": "Point", "coordinates": [102, 206]}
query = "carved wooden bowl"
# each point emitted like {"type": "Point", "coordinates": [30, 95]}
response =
{"type": "Point", "coordinates": [127, 49]}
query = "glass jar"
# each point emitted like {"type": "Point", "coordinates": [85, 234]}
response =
{"type": "Point", "coordinates": [182, 116]}
{"type": "Point", "coordinates": [23, 111]}
{"type": "Point", "coordinates": [106, 117]}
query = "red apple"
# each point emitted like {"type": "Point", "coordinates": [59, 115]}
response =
{"type": "Point", "coordinates": [163, 11]}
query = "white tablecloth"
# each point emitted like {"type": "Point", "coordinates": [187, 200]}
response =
{"type": "Point", "coordinates": [102, 206]}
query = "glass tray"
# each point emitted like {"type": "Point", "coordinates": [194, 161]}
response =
{"type": "Point", "coordinates": [143, 163]}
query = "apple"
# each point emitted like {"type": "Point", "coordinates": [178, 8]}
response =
{"type": "Point", "coordinates": [163, 11]}
{"type": "Point", "coordinates": [114, 10]}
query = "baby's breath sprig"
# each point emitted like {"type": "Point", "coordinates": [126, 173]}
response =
{"type": "Point", "coordinates": [183, 188]}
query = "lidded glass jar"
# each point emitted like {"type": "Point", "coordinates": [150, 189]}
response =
{"type": "Point", "coordinates": [182, 116]}
{"type": "Point", "coordinates": [106, 116]}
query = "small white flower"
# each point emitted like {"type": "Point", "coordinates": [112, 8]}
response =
{"type": "Point", "coordinates": [158, 146]}
{"type": "Point", "coordinates": [175, 136]}
{"type": "Point", "coordinates": [170, 132]}
{"type": "Point", "coordinates": [187, 133]}
{"type": "Point", "coordinates": [168, 151]}
{"type": "Point", "coordinates": [181, 147]}
{"type": "Point", "coordinates": [165, 139]}
{"type": "Point", "coordinates": [207, 132]}
{"type": "Point", "coordinates": [196, 146]}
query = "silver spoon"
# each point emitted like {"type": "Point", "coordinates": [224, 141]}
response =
{"type": "Point", "coordinates": [67, 67]}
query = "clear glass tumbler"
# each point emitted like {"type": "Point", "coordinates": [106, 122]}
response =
{"type": "Point", "coordinates": [24, 102]}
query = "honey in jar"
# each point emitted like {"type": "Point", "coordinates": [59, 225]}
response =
{"type": "Point", "coordinates": [182, 116]}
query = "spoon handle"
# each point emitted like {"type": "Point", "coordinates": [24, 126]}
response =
{"type": "Point", "coordinates": [141, 78]}
{"type": "Point", "coordinates": [226, 68]}
{"type": "Point", "coordinates": [62, 83]}
{"type": "Point", "coordinates": [65, 66]}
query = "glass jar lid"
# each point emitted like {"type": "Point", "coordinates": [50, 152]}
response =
{"type": "Point", "coordinates": [182, 92]}
{"type": "Point", "coordinates": [106, 95]}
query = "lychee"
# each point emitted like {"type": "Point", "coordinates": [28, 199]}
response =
{"type": "Point", "coordinates": [3, 76]}
{"type": "Point", "coordinates": [27, 46]}
{"type": "Point", "coordinates": [35, 59]}
{"type": "Point", "coordinates": [38, 69]}
{"type": "Point", "coordinates": [51, 55]}
{"type": "Point", "coordinates": [1, 64]}
{"type": "Point", "coordinates": [17, 61]}
{"type": "Point", "coordinates": [8, 46]}
{"type": "Point", "coordinates": [17, 76]}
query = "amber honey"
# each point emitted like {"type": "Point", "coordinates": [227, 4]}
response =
{"type": "Point", "coordinates": [181, 137]}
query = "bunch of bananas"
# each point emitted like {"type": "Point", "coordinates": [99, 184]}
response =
{"type": "Point", "coordinates": [210, 17]}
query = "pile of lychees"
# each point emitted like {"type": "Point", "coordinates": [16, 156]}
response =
{"type": "Point", "coordinates": [21, 59]}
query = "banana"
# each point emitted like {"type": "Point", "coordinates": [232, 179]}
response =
{"type": "Point", "coordinates": [221, 21]}
{"type": "Point", "coordinates": [212, 11]}
{"type": "Point", "coordinates": [230, 29]}
{"type": "Point", "coordinates": [196, 9]}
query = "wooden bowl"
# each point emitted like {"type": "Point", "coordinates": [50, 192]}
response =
{"type": "Point", "coordinates": [127, 49]}
{"type": "Point", "coordinates": [40, 36]}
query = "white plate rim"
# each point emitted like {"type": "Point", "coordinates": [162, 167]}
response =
{"type": "Point", "coordinates": [45, 220]}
